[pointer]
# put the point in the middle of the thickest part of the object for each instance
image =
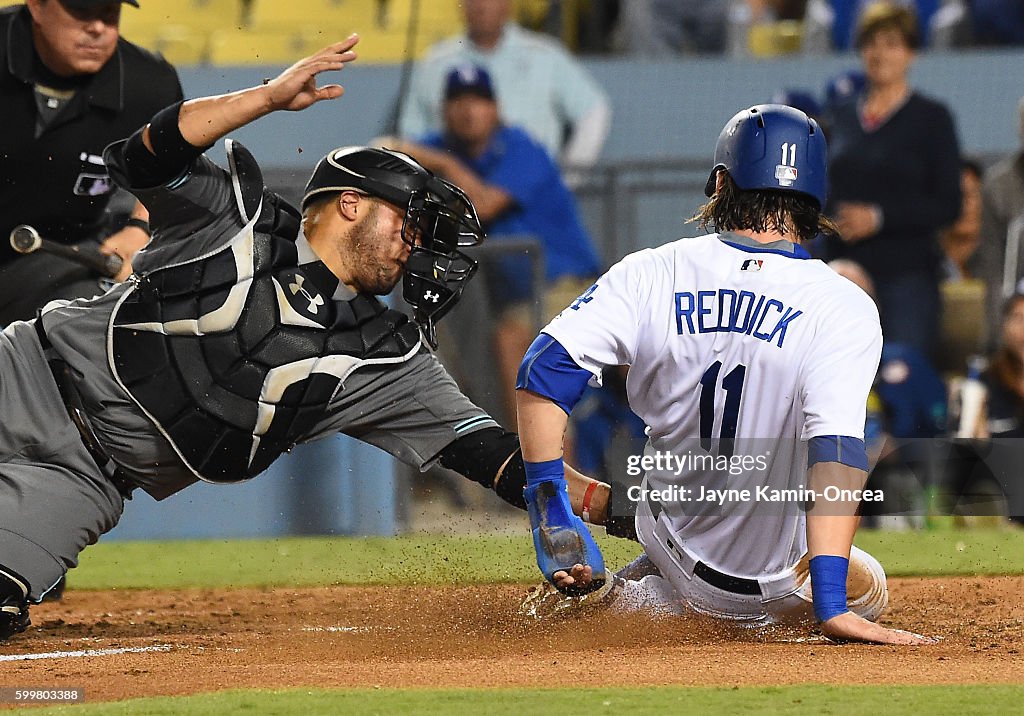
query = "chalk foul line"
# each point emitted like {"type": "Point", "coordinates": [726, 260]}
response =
{"type": "Point", "coordinates": [85, 653]}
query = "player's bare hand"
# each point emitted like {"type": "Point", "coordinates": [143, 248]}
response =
{"type": "Point", "coordinates": [296, 88]}
{"type": "Point", "coordinates": [857, 221]}
{"type": "Point", "coordinates": [580, 575]}
{"type": "Point", "coordinates": [850, 627]}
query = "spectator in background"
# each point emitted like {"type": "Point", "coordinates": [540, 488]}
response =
{"type": "Point", "coordinates": [1002, 216]}
{"type": "Point", "coordinates": [963, 330]}
{"type": "Point", "coordinates": [518, 192]}
{"type": "Point", "coordinates": [832, 25]}
{"type": "Point", "coordinates": [799, 99]}
{"type": "Point", "coordinates": [907, 402]}
{"type": "Point", "coordinates": [960, 240]}
{"type": "Point", "coordinates": [895, 168]}
{"type": "Point", "coordinates": [69, 85]}
{"type": "Point", "coordinates": [598, 419]}
{"type": "Point", "coordinates": [843, 88]}
{"type": "Point", "coordinates": [543, 89]}
{"type": "Point", "coordinates": [1001, 417]}
{"type": "Point", "coordinates": [666, 28]}
{"type": "Point", "coordinates": [998, 22]}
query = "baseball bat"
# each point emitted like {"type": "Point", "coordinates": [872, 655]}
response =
{"type": "Point", "coordinates": [26, 240]}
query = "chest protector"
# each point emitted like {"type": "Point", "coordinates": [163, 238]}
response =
{"type": "Point", "coordinates": [236, 355]}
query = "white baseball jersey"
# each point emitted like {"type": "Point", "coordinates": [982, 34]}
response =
{"type": "Point", "coordinates": [738, 351]}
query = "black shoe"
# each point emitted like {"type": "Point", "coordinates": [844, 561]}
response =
{"type": "Point", "coordinates": [13, 620]}
{"type": "Point", "coordinates": [13, 605]}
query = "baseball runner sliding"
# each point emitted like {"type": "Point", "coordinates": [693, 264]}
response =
{"type": "Point", "coordinates": [750, 363]}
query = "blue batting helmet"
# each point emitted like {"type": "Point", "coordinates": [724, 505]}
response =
{"type": "Point", "coordinates": [773, 147]}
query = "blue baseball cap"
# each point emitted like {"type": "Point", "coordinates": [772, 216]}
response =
{"type": "Point", "coordinates": [468, 79]}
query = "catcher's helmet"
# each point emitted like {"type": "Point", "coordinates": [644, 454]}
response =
{"type": "Point", "coordinates": [439, 219]}
{"type": "Point", "coordinates": [773, 147]}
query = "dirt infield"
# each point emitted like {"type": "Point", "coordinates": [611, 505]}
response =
{"type": "Point", "coordinates": [205, 640]}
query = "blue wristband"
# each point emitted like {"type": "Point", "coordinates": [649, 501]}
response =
{"type": "Point", "coordinates": [828, 586]}
{"type": "Point", "coordinates": [547, 471]}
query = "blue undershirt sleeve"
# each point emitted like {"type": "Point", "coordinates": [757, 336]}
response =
{"type": "Point", "coordinates": [548, 371]}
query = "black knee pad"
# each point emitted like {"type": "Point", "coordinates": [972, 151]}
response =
{"type": "Point", "coordinates": [480, 456]}
{"type": "Point", "coordinates": [14, 593]}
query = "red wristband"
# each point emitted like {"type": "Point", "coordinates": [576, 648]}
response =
{"type": "Point", "coordinates": [585, 512]}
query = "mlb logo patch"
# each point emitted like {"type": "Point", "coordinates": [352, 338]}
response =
{"type": "Point", "coordinates": [785, 175]}
{"type": "Point", "coordinates": [751, 265]}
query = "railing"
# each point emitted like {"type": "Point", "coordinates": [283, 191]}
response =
{"type": "Point", "coordinates": [626, 205]}
{"type": "Point", "coordinates": [636, 204]}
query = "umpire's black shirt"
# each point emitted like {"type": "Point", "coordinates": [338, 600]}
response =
{"type": "Point", "coordinates": [53, 176]}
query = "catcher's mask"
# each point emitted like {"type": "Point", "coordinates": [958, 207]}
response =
{"type": "Point", "coordinates": [439, 220]}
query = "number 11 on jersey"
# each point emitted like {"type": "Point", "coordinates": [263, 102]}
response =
{"type": "Point", "coordinates": [732, 384]}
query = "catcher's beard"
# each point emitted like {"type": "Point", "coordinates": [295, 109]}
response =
{"type": "Point", "coordinates": [373, 271]}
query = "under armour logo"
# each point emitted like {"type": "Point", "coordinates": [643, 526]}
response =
{"type": "Point", "coordinates": [431, 296]}
{"type": "Point", "coordinates": [315, 301]}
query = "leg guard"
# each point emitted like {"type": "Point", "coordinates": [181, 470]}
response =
{"type": "Point", "coordinates": [866, 587]}
{"type": "Point", "coordinates": [490, 457]}
{"type": "Point", "coordinates": [13, 603]}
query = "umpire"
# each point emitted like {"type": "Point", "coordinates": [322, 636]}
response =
{"type": "Point", "coordinates": [247, 327]}
{"type": "Point", "coordinates": [69, 85]}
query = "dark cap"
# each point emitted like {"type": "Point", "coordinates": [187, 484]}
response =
{"type": "Point", "coordinates": [89, 4]}
{"type": "Point", "coordinates": [468, 79]}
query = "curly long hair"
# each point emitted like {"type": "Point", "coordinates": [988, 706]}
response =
{"type": "Point", "coordinates": [785, 212]}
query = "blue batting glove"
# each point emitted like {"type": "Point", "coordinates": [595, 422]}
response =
{"type": "Point", "coordinates": [560, 538]}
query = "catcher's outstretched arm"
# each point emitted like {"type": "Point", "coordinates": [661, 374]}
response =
{"type": "Point", "coordinates": [204, 120]}
{"type": "Point", "coordinates": [177, 134]}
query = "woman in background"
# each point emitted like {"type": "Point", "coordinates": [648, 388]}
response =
{"type": "Point", "coordinates": [895, 172]}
